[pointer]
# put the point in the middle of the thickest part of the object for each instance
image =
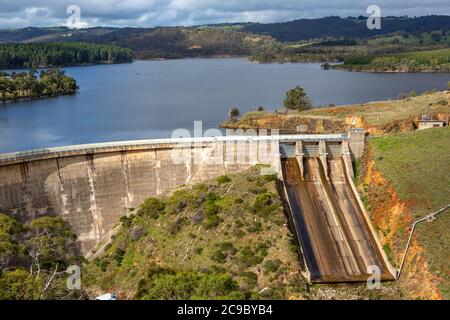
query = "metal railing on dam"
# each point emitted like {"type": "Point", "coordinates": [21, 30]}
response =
{"type": "Point", "coordinates": [158, 143]}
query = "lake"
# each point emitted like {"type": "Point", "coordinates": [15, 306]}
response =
{"type": "Point", "coordinates": [149, 99]}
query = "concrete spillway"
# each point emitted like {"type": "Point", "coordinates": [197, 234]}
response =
{"type": "Point", "coordinates": [92, 186]}
{"type": "Point", "coordinates": [336, 240]}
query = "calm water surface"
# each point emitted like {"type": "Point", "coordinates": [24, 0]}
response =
{"type": "Point", "coordinates": [149, 99]}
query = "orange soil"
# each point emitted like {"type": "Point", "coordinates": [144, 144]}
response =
{"type": "Point", "coordinates": [390, 214]}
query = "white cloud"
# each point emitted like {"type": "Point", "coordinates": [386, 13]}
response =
{"type": "Point", "coordinates": [147, 13]}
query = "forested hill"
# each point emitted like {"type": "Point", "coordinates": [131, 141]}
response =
{"type": "Point", "coordinates": [60, 54]}
{"type": "Point", "coordinates": [353, 28]}
{"type": "Point", "coordinates": [297, 30]}
{"type": "Point", "coordinates": [324, 39]}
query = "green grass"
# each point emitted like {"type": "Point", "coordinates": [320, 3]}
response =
{"type": "Point", "coordinates": [417, 163]}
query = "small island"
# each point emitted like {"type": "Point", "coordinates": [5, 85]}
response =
{"type": "Point", "coordinates": [26, 85]}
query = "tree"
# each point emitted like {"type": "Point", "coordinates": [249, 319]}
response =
{"type": "Point", "coordinates": [296, 99]}
{"type": "Point", "coordinates": [10, 249]}
{"type": "Point", "coordinates": [234, 113]}
{"type": "Point", "coordinates": [48, 242]}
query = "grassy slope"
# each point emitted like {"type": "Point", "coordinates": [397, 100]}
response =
{"type": "Point", "coordinates": [376, 114]}
{"type": "Point", "coordinates": [192, 246]}
{"type": "Point", "coordinates": [417, 164]}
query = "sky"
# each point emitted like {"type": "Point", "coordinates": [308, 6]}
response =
{"type": "Point", "coordinates": [150, 13]}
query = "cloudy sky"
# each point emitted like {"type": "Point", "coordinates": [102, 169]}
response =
{"type": "Point", "coordinates": [149, 13]}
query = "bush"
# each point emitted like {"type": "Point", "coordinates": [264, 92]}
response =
{"type": "Point", "coordinates": [211, 210]}
{"type": "Point", "coordinates": [126, 221]}
{"type": "Point", "coordinates": [152, 207]}
{"type": "Point", "coordinates": [256, 227]}
{"type": "Point", "coordinates": [249, 258]}
{"type": "Point", "coordinates": [169, 285]}
{"type": "Point", "coordinates": [177, 202]}
{"type": "Point", "coordinates": [118, 255]}
{"type": "Point", "coordinates": [223, 179]}
{"type": "Point", "coordinates": [101, 263]}
{"type": "Point", "coordinates": [223, 251]}
{"type": "Point", "coordinates": [264, 205]}
{"type": "Point", "coordinates": [250, 278]}
{"type": "Point", "coordinates": [175, 227]}
{"type": "Point", "coordinates": [272, 265]}
{"type": "Point", "coordinates": [212, 221]}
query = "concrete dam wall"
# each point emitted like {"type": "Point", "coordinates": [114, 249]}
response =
{"type": "Point", "coordinates": [92, 186]}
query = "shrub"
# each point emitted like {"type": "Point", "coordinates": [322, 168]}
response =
{"type": "Point", "coordinates": [223, 179]}
{"type": "Point", "coordinates": [177, 202]}
{"type": "Point", "coordinates": [169, 285]}
{"type": "Point", "coordinates": [272, 265]}
{"type": "Point", "coordinates": [212, 221]}
{"type": "Point", "coordinates": [118, 255]}
{"type": "Point", "coordinates": [101, 263]}
{"type": "Point", "coordinates": [126, 221]}
{"type": "Point", "coordinates": [211, 210]}
{"type": "Point", "coordinates": [256, 227]}
{"type": "Point", "coordinates": [152, 207]}
{"type": "Point", "coordinates": [223, 251]}
{"type": "Point", "coordinates": [175, 227]}
{"type": "Point", "coordinates": [250, 278]}
{"type": "Point", "coordinates": [249, 258]}
{"type": "Point", "coordinates": [264, 205]}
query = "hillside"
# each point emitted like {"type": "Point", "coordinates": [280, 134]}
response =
{"type": "Point", "coordinates": [353, 28]}
{"type": "Point", "coordinates": [421, 61]}
{"type": "Point", "coordinates": [291, 31]}
{"type": "Point", "coordinates": [324, 39]}
{"type": "Point", "coordinates": [404, 177]}
{"type": "Point", "coordinates": [376, 117]}
{"type": "Point", "coordinates": [25, 55]}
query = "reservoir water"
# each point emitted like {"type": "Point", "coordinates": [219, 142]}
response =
{"type": "Point", "coordinates": [150, 99]}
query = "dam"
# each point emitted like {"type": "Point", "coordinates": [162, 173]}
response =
{"type": "Point", "coordinates": [92, 186]}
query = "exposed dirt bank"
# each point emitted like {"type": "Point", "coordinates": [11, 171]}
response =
{"type": "Point", "coordinates": [392, 218]}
